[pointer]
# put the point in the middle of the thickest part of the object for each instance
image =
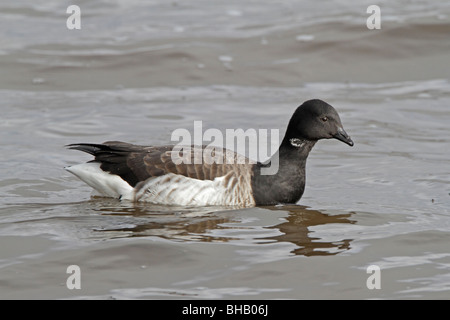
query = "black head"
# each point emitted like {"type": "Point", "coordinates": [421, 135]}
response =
{"type": "Point", "coordinates": [315, 120]}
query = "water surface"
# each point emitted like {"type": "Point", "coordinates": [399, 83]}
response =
{"type": "Point", "coordinates": [136, 72]}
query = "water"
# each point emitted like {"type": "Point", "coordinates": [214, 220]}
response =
{"type": "Point", "coordinates": [135, 72]}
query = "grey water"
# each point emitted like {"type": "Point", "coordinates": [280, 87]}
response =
{"type": "Point", "coordinates": [137, 71]}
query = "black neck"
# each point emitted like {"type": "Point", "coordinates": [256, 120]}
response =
{"type": "Point", "coordinates": [285, 185]}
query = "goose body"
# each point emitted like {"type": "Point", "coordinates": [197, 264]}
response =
{"type": "Point", "coordinates": [141, 173]}
{"type": "Point", "coordinates": [155, 173]}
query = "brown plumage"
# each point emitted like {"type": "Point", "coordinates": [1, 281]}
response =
{"type": "Point", "coordinates": [135, 163]}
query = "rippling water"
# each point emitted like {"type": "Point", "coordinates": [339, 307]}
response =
{"type": "Point", "coordinates": [135, 72]}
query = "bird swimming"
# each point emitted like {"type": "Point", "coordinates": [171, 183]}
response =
{"type": "Point", "coordinates": [153, 174]}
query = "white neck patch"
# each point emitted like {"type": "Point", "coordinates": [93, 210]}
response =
{"type": "Point", "coordinates": [296, 142]}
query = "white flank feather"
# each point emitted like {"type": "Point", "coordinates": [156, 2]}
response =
{"type": "Point", "coordinates": [169, 189]}
{"type": "Point", "coordinates": [177, 189]}
{"type": "Point", "coordinates": [106, 184]}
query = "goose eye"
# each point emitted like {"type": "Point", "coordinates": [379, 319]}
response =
{"type": "Point", "coordinates": [324, 119]}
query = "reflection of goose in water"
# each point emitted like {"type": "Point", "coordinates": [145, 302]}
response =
{"type": "Point", "coordinates": [295, 230]}
{"type": "Point", "coordinates": [168, 222]}
{"type": "Point", "coordinates": [215, 224]}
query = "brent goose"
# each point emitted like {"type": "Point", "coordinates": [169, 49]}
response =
{"type": "Point", "coordinates": [149, 173]}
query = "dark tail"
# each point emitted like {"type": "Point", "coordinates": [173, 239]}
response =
{"type": "Point", "coordinates": [112, 156]}
{"type": "Point", "coordinates": [90, 148]}
{"type": "Point", "coordinates": [104, 149]}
